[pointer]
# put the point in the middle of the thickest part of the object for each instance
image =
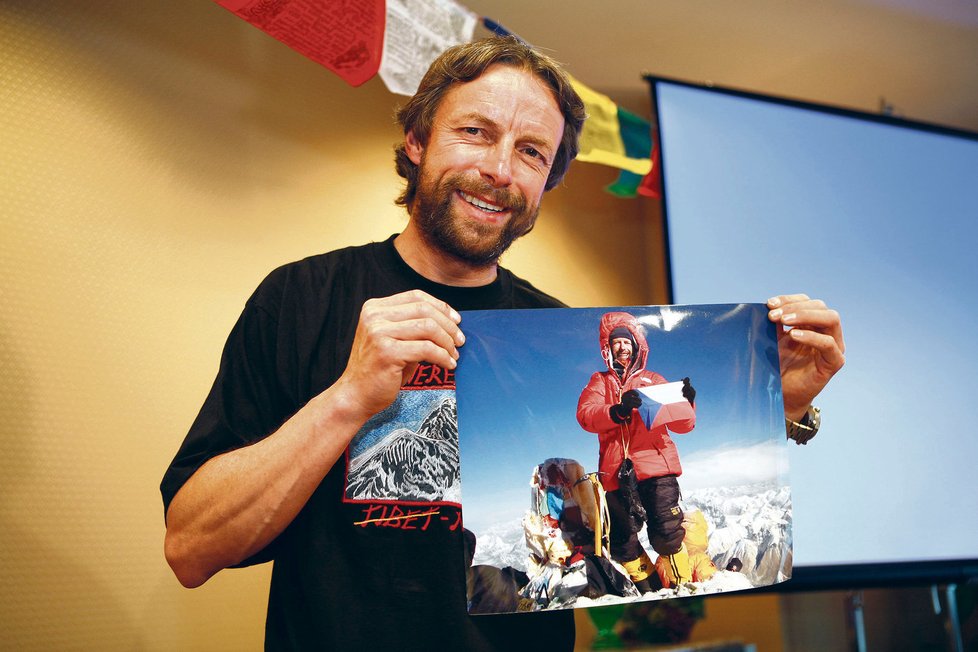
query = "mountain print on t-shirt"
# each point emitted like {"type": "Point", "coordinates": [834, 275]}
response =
{"type": "Point", "coordinates": [409, 452]}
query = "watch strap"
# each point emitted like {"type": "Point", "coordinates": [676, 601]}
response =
{"type": "Point", "coordinates": [803, 430]}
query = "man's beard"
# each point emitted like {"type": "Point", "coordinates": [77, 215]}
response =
{"type": "Point", "coordinates": [469, 240]}
{"type": "Point", "coordinates": [621, 365]}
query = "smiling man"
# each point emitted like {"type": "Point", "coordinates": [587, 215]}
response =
{"type": "Point", "coordinates": [328, 442]}
{"type": "Point", "coordinates": [322, 446]}
{"type": "Point", "coordinates": [478, 165]}
{"type": "Point", "coordinates": [649, 493]}
{"type": "Point", "coordinates": [507, 126]}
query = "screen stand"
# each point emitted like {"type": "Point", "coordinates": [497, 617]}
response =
{"type": "Point", "coordinates": [952, 624]}
{"type": "Point", "coordinates": [854, 621]}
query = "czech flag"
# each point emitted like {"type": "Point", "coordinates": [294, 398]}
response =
{"type": "Point", "coordinates": [664, 404]}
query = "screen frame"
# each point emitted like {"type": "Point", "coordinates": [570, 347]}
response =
{"type": "Point", "coordinates": [842, 576]}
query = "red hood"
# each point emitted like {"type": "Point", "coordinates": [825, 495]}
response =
{"type": "Point", "coordinates": [612, 320]}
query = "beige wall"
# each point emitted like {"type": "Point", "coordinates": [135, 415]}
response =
{"type": "Point", "coordinates": [156, 160]}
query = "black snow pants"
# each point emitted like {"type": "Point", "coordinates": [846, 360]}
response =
{"type": "Point", "coordinates": [660, 498]}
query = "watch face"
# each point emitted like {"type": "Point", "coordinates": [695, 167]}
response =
{"type": "Point", "coordinates": [813, 417]}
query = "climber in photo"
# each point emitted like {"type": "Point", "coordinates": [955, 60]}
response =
{"type": "Point", "coordinates": [638, 461]}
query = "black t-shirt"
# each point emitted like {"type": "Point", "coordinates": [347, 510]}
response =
{"type": "Point", "coordinates": [375, 558]}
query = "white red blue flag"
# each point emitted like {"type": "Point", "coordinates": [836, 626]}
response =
{"type": "Point", "coordinates": [663, 404]}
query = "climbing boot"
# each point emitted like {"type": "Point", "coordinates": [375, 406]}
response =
{"type": "Point", "coordinates": [676, 569]}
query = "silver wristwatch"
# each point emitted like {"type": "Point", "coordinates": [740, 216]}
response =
{"type": "Point", "coordinates": [802, 431]}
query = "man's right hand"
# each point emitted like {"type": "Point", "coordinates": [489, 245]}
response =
{"type": "Point", "coordinates": [238, 502]}
{"type": "Point", "coordinates": [393, 336]}
{"type": "Point", "coordinates": [623, 411]}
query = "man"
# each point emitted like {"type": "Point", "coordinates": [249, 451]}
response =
{"type": "Point", "coordinates": [609, 406]}
{"type": "Point", "coordinates": [307, 449]}
{"type": "Point", "coordinates": [310, 385]}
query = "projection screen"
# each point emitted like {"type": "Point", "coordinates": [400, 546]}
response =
{"type": "Point", "coordinates": [876, 216]}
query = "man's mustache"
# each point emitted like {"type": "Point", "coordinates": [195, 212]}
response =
{"type": "Point", "coordinates": [499, 196]}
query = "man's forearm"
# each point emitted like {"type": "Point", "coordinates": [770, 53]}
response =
{"type": "Point", "coordinates": [238, 502]}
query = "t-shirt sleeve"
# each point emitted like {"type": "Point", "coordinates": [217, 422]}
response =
{"type": "Point", "coordinates": [246, 402]}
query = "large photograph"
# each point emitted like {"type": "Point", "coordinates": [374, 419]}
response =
{"type": "Point", "coordinates": [621, 454]}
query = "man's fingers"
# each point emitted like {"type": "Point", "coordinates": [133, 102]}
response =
{"type": "Point", "coordinates": [826, 345]}
{"type": "Point", "coordinates": [416, 297]}
{"type": "Point", "coordinates": [418, 308]}
{"type": "Point", "coordinates": [823, 318]}
{"type": "Point", "coordinates": [410, 353]}
{"type": "Point", "coordinates": [794, 307]}
{"type": "Point", "coordinates": [425, 329]}
{"type": "Point", "coordinates": [402, 330]}
{"type": "Point", "coordinates": [781, 300]}
{"type": "Point", "coordinates": [824, 321]}
{"type": "Point", "coordinates": [799, 311]}
{"type": "Point", "coordinates": [812, 348]}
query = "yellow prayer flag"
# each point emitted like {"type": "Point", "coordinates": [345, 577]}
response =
{"type": "Point", "coordinates": [601, 140]}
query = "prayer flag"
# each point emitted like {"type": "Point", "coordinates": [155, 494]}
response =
{"type": "Point", "coordinates": [346, 37]}
{"type": "Point", "coordinates": [610, 132]}
{"type": "Point", "coordinates": [637, 137]}
{"type": "Point", "coordinates": [631, 185]}
{"type": "Point", "coordinates": [626, 185]}
{"type": "Point", "coordinates": [651, 185]}
{"type": "Point", "coordinates": [417, 32]}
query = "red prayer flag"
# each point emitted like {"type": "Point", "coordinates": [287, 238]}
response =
{"type": "Point", "coordinates": [651, 185]}
{"type": "Point", "coordinates": [347, 37]}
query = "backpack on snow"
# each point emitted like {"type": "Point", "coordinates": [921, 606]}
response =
{"type": "Point", "coordinates": [567, 533]}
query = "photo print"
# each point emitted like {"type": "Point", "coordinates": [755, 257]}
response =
{"type": "Point", "coordinates": [613, 455]}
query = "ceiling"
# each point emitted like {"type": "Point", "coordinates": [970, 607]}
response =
{"type": "Point", "coordinates": [915, 58]}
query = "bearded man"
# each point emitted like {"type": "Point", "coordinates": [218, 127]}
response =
{"type": "Point", "coordinates": [300, 452]}
{"type": "Point", "coordinates": [648, 490]}
{"type": "Point", "coordinates": [304, 453]}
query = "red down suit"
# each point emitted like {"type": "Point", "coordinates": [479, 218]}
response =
{"type": "Point", "coordinates": [652, 451]}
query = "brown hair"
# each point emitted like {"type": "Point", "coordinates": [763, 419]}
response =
{"type": "Point", "coordinates": [466, 62]}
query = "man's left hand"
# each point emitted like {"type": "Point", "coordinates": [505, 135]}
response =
{"type": "Point", "coordinates": [812, 351]}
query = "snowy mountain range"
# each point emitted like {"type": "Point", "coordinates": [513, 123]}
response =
{"type": "Point", "coordinates": [409, 465]}
{"type": "Point", "coordinates": [752, 523]}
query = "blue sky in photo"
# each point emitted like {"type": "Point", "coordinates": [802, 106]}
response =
{"type": "Point", "coordinates": [521, 373]}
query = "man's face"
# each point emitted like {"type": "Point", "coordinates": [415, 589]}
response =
{"type": "Point", "coordinates": [621, 350]}
{"type": "Point", "coordinates": [484, 168]}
